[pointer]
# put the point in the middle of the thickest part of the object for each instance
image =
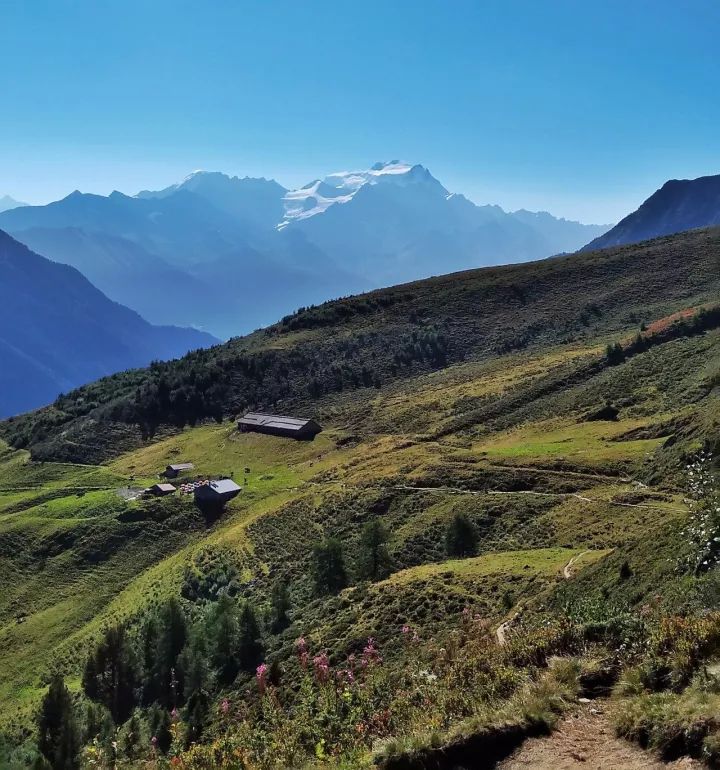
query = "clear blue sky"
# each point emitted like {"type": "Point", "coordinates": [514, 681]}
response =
{"type": "Point", "coordinates": [581, 108]}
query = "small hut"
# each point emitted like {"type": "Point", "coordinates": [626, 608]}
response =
{"type": "Point", "coordinates": [278, 425]}
{"type": "Point", "coordinates": [160, 490]}
{"type": "Point", "coordinates": [173, 471]}
{"type": "Point", "coordinates": [217, 492]}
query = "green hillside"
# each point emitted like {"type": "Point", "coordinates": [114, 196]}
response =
{"type": "Point", "coordinates": [494, 399]}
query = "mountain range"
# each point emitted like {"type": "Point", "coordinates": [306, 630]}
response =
{"type": "Point", "coordinates": [7, 203]}
{"type": "Point", "coordinates": [229, 254]}
{"type": "Point", "coordinates": [58, 331]}
{"type": "Point", "coordinates": [679, 205]}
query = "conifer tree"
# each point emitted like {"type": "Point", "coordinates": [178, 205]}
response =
{"type": "Point", "coordinates": [224, 634]}
{"type": "Point", "coordinates": [280, 603]}
{"type": "Point", "coordinates": [374, 560]}
{"type": "Point", "coordinates": [329, 567]}
{"type": "Point", "coordinates": [58, 733]}
{"type": "Point", "coordinates": [461, 536]}
{"type": "Point", "coordinates": [110, 676]}
{"type": "Point", "coordinates": [250, 647]}
{"type": "Point", "coordinates": [172, 636]}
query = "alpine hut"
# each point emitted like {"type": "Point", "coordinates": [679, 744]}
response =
{"type": "Point", "coordinates": [160, 490]}
{"type": "Point", "coordinates": [276, 425]}
{"type": "Point", "coordinates": [172, 471]}
{"type": "Point", "coordinates": [216, 492]}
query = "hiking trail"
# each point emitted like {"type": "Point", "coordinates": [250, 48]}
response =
{"type": "Point", "coordinates": [586, 739]}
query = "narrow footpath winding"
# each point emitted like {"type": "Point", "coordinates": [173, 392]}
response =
{"type": "Point", "coordinates": [586, 739]}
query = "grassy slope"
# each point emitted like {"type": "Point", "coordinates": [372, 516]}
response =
{"type": "Point", "coordinates": [386, 338]}
{"type": "Point", "coordinates": [540, 482]}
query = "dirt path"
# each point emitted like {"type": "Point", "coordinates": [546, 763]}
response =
{"type": "Point", "coordinates": [502, 629]}
{"type": "Point", "coordinates": [567, 569]}
{"type": "Point", "coordinates": [566, 495]}
{"type": "Point", "coordinates": [587, 740]}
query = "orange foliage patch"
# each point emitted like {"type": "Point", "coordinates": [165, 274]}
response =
{"type": "Point", "coordinates": [661, 324]}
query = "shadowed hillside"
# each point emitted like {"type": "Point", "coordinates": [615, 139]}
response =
{"type": "Point", "coordinates": [679, 205]}
{"type": "Point", "coordinates": [58, 331]}
{"type": "Point", "coordinates": [375, 339]}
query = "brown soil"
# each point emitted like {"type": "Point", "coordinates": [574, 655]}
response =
{"type": "Point", "coordinates": [587, 740]}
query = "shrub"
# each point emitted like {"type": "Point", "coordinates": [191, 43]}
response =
{"type": "Point", "coordinates": [461, 537]}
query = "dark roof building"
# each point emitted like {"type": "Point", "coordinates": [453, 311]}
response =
{"type": "Point", "coordinates": [173, 470]}
{"type": "Point", "coordinates": [217, 492]}
{"type": "Point", "coordinates": [159, 490]}
{"type": "Point", "coordinates": [276, 425]}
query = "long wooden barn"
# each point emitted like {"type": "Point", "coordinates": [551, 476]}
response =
{"type": "Point", "coordinates": [278, 425]}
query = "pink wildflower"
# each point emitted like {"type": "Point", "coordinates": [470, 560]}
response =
{"type": "Point", "coordinates": [302, 651]}
{"type": "Point", "coordinates": [225, 706]}
{"type": "Point", "coordinates": [322, 667]}
{"type": "Point", "coordinates": [370, 653]}
{"type": "Point", "coordinates": [261, 673]}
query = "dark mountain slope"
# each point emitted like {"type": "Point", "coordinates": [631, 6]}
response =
{"type": "Point", "coordinates": [126, 272]}
{"type": "Point", "coordinates": [180, 258]}
{"type": "Point", "coordinates": [58, 331]}
{"type": "Point", "coordinates": [679, 205]}
{"type": "Point", "coordinates": [385, 336]}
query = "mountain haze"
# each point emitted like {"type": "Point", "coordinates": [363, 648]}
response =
{"type": "Point", "coordinates": [58, 331]}
{"type": "Point", "coordinates": [7, 203]}
{"type": "Point", "coordinates": [230, 254]}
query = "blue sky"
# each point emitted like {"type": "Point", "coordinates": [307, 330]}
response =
{"type": "Point", "coordinates": [581, 108]}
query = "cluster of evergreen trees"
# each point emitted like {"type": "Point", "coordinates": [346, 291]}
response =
{"type": "Point", "coordinates": [179, 659]}
{"type": "Point", "coordinates": [374, 561]}
{"type": "Point", "coordinates": [172, 662]}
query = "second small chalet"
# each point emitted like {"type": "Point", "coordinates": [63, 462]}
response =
{"type": "Point", "coordinates": [217, 492]}
{"type": "Point", "coordinates": [173, 471]}
{"type": "Point", "coordinates": [276, 425]}
{"type": "Point", "coordinates": [160, 490]}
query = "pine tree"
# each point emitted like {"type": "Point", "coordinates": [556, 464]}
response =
{"type": "Point", "coordinates": [224, 634]}
{"type": "Point", "coordinates": [195, 663]}
{"type": "Point", "coordinates": [160, 723]}
{"type": "Point", "coordinates": [110, 675]}
{"type": "Point", "coordinates": [329, 567]}
{"type": "Point", "coordinates": [172, 636]}
{"type": "Point", "coordinates": [280, 602]}
{"type": "Point", "coordinates": [149, 652]}
{"type": "Point", "coordinates": [58, 734]}
{"type": "Point", "coordinates": [461, 536]}
{"type": "Point", "coordinates": [614, 354]}
{"type": "Point", "coordinates": [374, 560]}
{"type": "Point", "coordinates": [250, 647]}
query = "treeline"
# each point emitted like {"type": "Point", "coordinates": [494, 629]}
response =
{"type": "Point", "coordinates": [331, 313]}
{"type": "Point", "coordinates": [702, 321]}
{"type": "Point", "coordinates": [173, 662]}
{"type": "Point", "coordinates": [222, 382]}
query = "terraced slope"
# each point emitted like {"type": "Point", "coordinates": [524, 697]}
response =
{"type": "Point", "coordinates": [563, 502]}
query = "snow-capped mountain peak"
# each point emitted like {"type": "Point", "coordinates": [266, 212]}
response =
{"type": "Point", "coordinates": [341, 187]}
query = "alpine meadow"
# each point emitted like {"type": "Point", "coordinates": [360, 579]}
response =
{"type": "Point", "coordinates": [359, 385]}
